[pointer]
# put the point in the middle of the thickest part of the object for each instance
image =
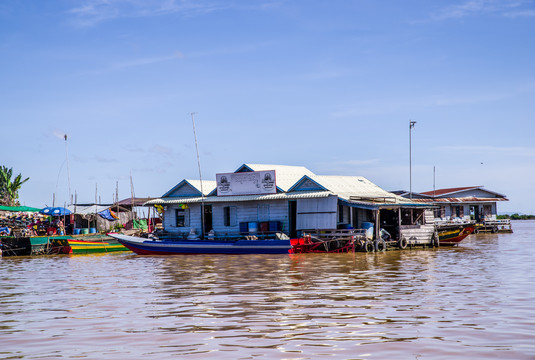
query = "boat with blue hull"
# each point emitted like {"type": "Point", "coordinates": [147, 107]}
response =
{"type": "Point", "coordinates": [148, 246]}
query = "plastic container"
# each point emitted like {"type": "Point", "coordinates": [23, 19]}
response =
{"type": "Point", "coordinates": [92, 230]}
{"type": "Point", "coordinates": [368, 226]}
{"type": "Point", "coordinates": [76, 231]}
{"type": "Point", "coordinates": [264, 226]}
{"type": "Point", "coordinates": [253, 227]}
{"type": "Point", "coordinates": [274, 225]}
{"type": "Point", "coordinates": [84, 231]}
{"type": "Point", "coordinates": [244, 227]}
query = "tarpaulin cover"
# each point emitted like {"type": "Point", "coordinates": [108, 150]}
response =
{"type": "Point", "coordinates": [55, 211]}
{"type": "Point", "coordinates": [19, 208]}
{"type": "Point", "coordinates": [108, 215]}
{"type": "Point", "coordinates": [140, 224]}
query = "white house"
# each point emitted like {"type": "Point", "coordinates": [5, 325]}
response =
{"type": "Point", "coordinates": [263, 199]}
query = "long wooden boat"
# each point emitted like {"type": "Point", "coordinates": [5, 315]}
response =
{"type": "Point", "coordinates": [59, 244]}
{"type": "Point", "coordinates": [170, 246]}
{"type": "Point", "coordinates": [78, 246]}
{"type": "Point", "coordinates": [453, 234]}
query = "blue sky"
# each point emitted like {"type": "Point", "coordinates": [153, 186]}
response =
{"type": "Point", "coordinates": [330, 85]}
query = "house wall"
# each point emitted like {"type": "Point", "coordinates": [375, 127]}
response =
{"type": "Point", "coordinates": [420, 234]}
{"type": "Point", "coordinates": [318, 213]}
{"type": "Point", "coordinates": [311, 214]}
{"type": "Point", "coordinates": [471, 193]}
{"type": "Point", "coordinates": [276, 210]}
{"type": "Point", "coordinates": [451, 214]}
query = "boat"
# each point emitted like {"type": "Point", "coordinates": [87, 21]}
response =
{"type": "Point", "coordinates": [453, 234]}
{"type": "Point", "coordinates": [494, 226]}
{"type": "Point", "coordinates": [171, 246]}
{"type": "Point", "coordinates": [59, 244]}
{"type": "Point", "coordinates": [79, 246]}
{"type": "Point", "coordinates": [309, 244]}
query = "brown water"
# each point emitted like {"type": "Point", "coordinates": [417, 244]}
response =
{"type": "Point", "coordinates": [472, 301]}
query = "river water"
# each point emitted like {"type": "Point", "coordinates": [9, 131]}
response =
{"type": "Point", "coordinates": [476, 300]}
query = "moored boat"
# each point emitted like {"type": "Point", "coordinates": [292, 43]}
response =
{"type": "Point", "coordinates": [79, 246]}
{"type": "Point", "coordinates": [170, 246]}
{"type": "Point", "coordinates": [453, 234]}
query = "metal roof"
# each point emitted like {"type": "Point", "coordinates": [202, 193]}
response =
{"type": "Point", "coordinates": [207, 185]}
{"type": "Point", "coordinates": [470, 199]}
{"type": "Point", "coordinates": [87, 209]}
{"type": "Point", "coordinates": [351, 187]}
{"type": "Point", "coordinates": [128, 201]}
{"type": "Point", "coordinates": [213, 199]}
{"type": "Point", "coordinates": [439, 192]}
{"type": "Point", "coordinates": [452, 191]}
{"type": "Point", "coordinates": [285, 176]}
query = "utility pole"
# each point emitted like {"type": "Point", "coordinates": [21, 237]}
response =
{"type": "Point", "coordinates": [411, 125]}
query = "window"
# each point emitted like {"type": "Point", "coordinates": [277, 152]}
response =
{"type": "Point", "coordinates": [229, 216]}
{"type": "Point", "coordinates": [457, 211]}
{"type": "Point", "coordinates": [340, 213]}
{"type": "Point", "coordinates": [180, 216]}
{"type": "Point", "coordinates": [263, 212]}
{"type": "Point", "coordinates": [440, 212]}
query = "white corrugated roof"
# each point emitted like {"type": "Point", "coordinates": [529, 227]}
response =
{"type": "Point", "coordinates": [212, 199]}
{"type": "Point", "coordinates": [355, 186]}
{"type": "Point", "coordinates": [90, 209]}
{"type": "Point", "coordinates": [207, 185]}
{"type": "Point", "coordinates": [285, 176]}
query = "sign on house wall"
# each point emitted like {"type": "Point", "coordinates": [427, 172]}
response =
{"type": "Point", "coordinates": [246, 183]}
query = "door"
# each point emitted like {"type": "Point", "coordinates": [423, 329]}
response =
{"type": "Point", "coordinates": [207, 218]}
{"type": "Point", "coordinates": [292, 218]}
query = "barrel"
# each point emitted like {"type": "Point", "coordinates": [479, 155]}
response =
{"type": "Point", "coordinates": [244, 227]}
{"type": "Point", "coordinates": [264, 226]}
{"type": "Point", "coordinates": [84, 231]}
{"type": "Point", "coordinates": [274, 225]}
{"type": "Point", "coordinates": [92, 230]}
{"type": "Point", "coordinates": [368, 226]}
{"type": "Point", "coordinates": [76, 231]}
{"type": "Point", "coordinates": [253, 227]}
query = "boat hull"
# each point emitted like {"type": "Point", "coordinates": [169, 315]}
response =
{"type": "Point", "coordinates": [144, 246]}
{"type": "Point", "coordinates": [454, 234]}
{"type": "Point", "coordinates": [60, 244]}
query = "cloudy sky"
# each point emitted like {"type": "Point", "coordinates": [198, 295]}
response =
{"type": "Point", "coordinates": [330, 85]}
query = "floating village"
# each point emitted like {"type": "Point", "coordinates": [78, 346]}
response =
{"type": "Point", "coordinates": [258, 209]}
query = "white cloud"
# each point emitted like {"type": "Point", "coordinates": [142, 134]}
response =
{"type": "Point", "coordinates": [92, 12]}
{"type": "Point", "coordinates": [475, 7]}
{"type": "Point", "coordinates": [520, 13]}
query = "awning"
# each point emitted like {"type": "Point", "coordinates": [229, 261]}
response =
{"type": "Point", "coordinates": [19, 208]}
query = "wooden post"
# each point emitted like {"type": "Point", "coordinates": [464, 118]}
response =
{"type": "Point", "coordinates": [399, 223]}
{"type": "Point", "coordinates": [377, 224]}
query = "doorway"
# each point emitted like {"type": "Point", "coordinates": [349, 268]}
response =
{"type": "Point", "coordinates": [292, 219]}
{"type": "Point", "coordinates": [207, 218]}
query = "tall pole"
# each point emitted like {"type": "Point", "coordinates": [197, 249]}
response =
{"type": "Point", "coordinates": [200, 174]}
{"type": "Point", "coordinates": [68, 170]}
{"type": "Point", "coordinates": [411, 125]}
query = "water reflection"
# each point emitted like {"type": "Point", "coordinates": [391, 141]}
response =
{"type": "Point", "coordinates": [472, 301]}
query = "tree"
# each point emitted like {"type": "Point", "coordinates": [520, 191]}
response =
{"type": "Point", "coordinates": [9, 189]}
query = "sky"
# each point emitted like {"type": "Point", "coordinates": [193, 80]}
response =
{"type": "Point", "coordinates": [329, 85]}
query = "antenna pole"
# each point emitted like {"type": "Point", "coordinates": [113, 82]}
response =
{"type": "Point", "coordinates": [200, 173]}
{"type": "Point", "coordinates": [411, 125]}
{"type": "Point", "coordinates": [68, 170]}
{"type": "Point", "coordinates": [434, 181]}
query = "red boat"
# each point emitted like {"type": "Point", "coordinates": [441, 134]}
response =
{"type": "Point", "coordinates": [334, 241]}
{"type": "Point", "coordinates": [453, 234]}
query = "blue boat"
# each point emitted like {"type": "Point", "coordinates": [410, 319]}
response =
{"type": "Point", "coordinates": [146, 246]}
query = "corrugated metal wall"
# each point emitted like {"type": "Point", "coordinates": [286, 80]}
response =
{"type": "Point", "coordinates": [317, 213]}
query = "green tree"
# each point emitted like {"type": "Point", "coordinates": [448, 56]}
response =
{"type": "Point", "coordinates": [9, 189]}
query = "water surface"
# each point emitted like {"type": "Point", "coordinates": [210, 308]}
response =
{"type": "Point", "coordinates": [472, 301]}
